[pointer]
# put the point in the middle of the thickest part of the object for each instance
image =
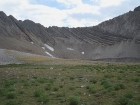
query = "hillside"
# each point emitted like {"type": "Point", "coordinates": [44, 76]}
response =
{"type": "Point", "coordinates": [114, 39]}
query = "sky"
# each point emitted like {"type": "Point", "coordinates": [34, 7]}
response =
{"type": "Point", "coordinates": [67, 13]}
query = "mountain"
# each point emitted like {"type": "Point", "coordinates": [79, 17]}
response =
{"type": "Point", "coordinates": [117, 39]}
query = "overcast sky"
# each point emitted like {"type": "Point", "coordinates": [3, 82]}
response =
{"type": "Point", "coordinates": [68, 13]}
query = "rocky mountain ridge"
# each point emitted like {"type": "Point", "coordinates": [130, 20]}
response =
{"type": "Point", "coordinates": [113, 39]}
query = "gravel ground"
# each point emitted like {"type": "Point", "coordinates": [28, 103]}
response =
{"type": "Point", "coordinates": [7, 58]}
{"type": "Point", "coordinates": [10, 56]}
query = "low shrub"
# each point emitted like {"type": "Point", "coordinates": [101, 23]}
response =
{"type": "Point", "coordinates": [74, 100]}
{"type": "Point", "coordinates": [105, 83]}
{"type": "Point", "coordinates": [11, 95]}
{"type": "Point", "coordinates": [26, 83]}
{"type": "Point", "coordinates": [78, 93]}
{"type": "Point", "coordinates": [136, 79]}
{"type": "Point", "coordinates": [55, 88]}
{"type": "Point", "coordinates": [128, 95]}
{"type": "Point", "coordinates": [48, 87]}
{"type": "Point", "coordinates": [131, 102]}
{"type": "Point", "coordinates": [51, 81]}
{"type": "Point", "coordinates": [21, 92]}
{"type": "Point", "coordinates": [122, 101]}
{"type": "Point", "coordinates": [138, 97]}
{"type": "Point", "coordinates": [12, 102]}
{"type": "Point", "coordinates": [8, 83]}
{"type": "Point", "coordinates": [122, 86]}
{"type": "Point", "coordinates": [61, 86]}
{"type": "Point", "coordinates": [41, 80]}
{"type": "Point", "coordinates": [3, 92]}
{"type": "Point", "coordinates": [126, 101]}
{"type": "Point", "coordinates": [108, 76]}
{"type": "Point", "coordinates": [110, 89]}
{"type": "Point", "coordinates": [71, 78]}
{"type": "Point", "coordinates": [92, 90]}
{"type": "Point", "coordinates": [11, 89]}
{"type": "Point", "coordinates": [71, 88]}
{"type": "Point", "coordinates": [38, 93]}
{"type": "Point", "coordinates": [119, 86]}
{"type": "Point", "coordinates": [94, 81]}
{"type": "Point", "coordinates": [60, 94]}
{"type": "Point", "coordinates": [44, 98]}
{"type": "Point", "coordinates": [87, 87]}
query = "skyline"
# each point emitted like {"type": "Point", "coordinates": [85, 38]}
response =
{"type": "Point", "coordinates": [67, 13]}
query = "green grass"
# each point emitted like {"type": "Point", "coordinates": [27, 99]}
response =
{"type": "Point", "coordinates": [94, 84]}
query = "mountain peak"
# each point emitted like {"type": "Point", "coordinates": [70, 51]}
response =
{"type": "Point", "coordinates": [137, 8]}
{"type": "Point", "coordinates": [2, 14]}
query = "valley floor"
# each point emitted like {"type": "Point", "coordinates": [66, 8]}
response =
{"type": "Point", "coordinates": [67, 82]}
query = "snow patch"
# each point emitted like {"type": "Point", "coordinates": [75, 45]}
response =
{"type": "Point", "coordinates": [43, 48]}
{"type": "Point", "coordinates": [49, 54]}
{"type": "Point", "coordinates": [83, 53]}
{"type": "Point", "coordinates": [69, 48]}
{"type": "Point", "coordinates": [32, 42]}
{"type": "Point", "coordinates": [49, 47]}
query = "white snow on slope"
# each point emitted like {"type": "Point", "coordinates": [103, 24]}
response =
{"type": "Point", "coordinates": [32, 42]}
{"type": "Point", "coordinates": [83, 53]}
{"type": "Point", "coordinates": [69, 48]}
{"type": "Point", "coordinates": [43, 48]}
{"type": "Point", "coordinates": [49, 54]}
{"type": "Point", "coordinates": [49, 47]}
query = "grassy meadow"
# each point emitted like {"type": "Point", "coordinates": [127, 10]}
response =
{"type": "Point", "coordinates": [89, 84]}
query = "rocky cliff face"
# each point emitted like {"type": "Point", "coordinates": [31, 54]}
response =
{"type": "Point", "coordinates": [116, 38]}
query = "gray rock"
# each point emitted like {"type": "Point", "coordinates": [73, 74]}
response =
{"type": "Point", "coordinates": [137, 8]}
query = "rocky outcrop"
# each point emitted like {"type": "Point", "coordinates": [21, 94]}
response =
{"type": "Point", "coordinates": [137, 8]}
{"type": "Point", "coordinates": [113, 39]}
